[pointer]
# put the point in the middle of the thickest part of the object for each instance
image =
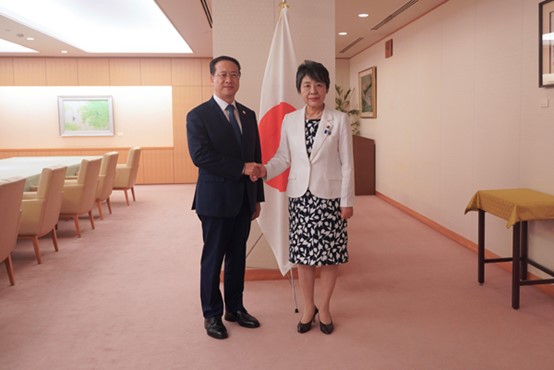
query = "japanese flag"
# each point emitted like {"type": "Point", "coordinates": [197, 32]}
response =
{"type": "Point", "coordinates": [279, 97]}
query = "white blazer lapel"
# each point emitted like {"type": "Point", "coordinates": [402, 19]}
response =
{"type": "Point", "coordinates": [323, 131]}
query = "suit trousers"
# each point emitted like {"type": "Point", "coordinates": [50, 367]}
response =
{"type": "Point", "coordinates": [224, 240]}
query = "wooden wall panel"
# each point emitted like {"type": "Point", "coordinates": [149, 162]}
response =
{"type": "Point", "coordinates": [6, 72]}
{"type": "Point", "coordinates": [155, 72]}
{"type": "Point", "coordinates": [205, 68]}
{"type": "Point", "coordinates": [157, 166]}
{"type": "Point", "coordinates": [186, 72]}
{"type": "Point", "coordinates": [29, 72]}
{"type": "Point", "coordinates": [124, 72]}
{"type": "Point", "coordinates": [94, 71]}
{"type": "Point", "coordinates": [61, 72]}
{"type": "Point", "coordinates": [184, 99]}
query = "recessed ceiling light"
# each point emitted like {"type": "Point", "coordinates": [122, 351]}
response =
{"type": "Point", "coordinates": [64, 51]}
{"type": "Point", "coordinates": [30, 38]}
{"type": "Point", "coordinates": [363, 15]}
{"type": "Point", "coordinates": [343, 33]}
{"type": "Point", "coordinates": [131, 26]}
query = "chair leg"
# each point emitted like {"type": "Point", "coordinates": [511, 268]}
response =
{"type": "Point", "coordinates": [37, 249]}
{"type": "Point", "coordinates": [109, 205]}
{"type": "Point", "coordinates": [99, 206]}
{"type": "Point", "coordinates": [133, 192]}
{"type": "Point", "coordinates": [77, 227]}
{"type": "Point", "coordinates": [91, 219]}
{"type": "Point", "coordinates": [126, 197]}
{"type": "Point", "coordinates": [54, 237]}
{"type": "Point", "coordinates": [9, 268]}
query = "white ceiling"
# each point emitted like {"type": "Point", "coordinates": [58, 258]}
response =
{"type": "Point", "coordinates": [191, 20]}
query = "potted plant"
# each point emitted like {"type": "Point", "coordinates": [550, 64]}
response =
{"type": "Point", "coordinates": [342, 103]}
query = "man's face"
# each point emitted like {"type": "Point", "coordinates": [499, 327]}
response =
{"type": "Point", "coordinates": [226, 80]}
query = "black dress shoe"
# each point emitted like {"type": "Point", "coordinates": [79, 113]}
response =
{"type": "Point", "coordinates": [215, 328]}
{"type": "Point", "coordinates": [303, 328]}
{"type": "Point", "coordinates": [326, 328]}
{"type": "Point", "coordinates": [243, 318]}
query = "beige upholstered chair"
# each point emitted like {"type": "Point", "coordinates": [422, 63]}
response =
{"type": "Point", "coordinates": [41, 209]}
{"type": "Point", "coordinates": [126, 174]}
{"type": "Point", "coordinates": [79, 196]}
{"type": "Point", "coordinates": [11, 193]}
{"type": "Point", "coordinates": [106, 181]}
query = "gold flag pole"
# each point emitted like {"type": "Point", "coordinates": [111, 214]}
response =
{"type": "Point", "coordinates": [283, 4]}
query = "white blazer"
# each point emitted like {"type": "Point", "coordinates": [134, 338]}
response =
{"type": "Point", "coordinates": [329, 172]}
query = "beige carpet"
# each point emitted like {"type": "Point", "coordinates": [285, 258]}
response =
{"type": "Point", "coordinates": [125, 296]}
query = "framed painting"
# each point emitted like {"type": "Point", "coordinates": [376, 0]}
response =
{"type": "Point", "coordinates": [367, 86]}
{"type": "Point", "coordinates": [546, 43]}
{"type": "Point", "coordinates": [85, 115]}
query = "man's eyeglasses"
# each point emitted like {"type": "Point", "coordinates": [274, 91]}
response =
{"type": "Point", "coordinates": [224, 75]}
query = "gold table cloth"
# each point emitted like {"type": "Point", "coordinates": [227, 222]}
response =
{"type": "Point", "coordinates": [513, 205]}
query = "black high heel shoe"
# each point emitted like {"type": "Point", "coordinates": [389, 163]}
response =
{"type": "Point", "coordinates": [326, 328]}
{"type": "Point", "coordinates": [303, 328]}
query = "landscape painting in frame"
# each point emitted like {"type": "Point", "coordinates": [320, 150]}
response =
{"type": "Point", "coordinates": [86, 115]}
{"type": "Point", "coordinates": [367, 81]}
{"type": "Point", "coordinates": [546, 41]}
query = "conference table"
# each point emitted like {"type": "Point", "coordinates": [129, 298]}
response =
{"type": "Point", "coordinates": [517, 207]}
{"type": "Point", "coordinates": [30, 168]}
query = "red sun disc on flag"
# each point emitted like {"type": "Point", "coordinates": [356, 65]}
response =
{"type": "Point", "coordinates": [270, 136]}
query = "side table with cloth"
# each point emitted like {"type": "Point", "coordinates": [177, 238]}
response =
{"type": "Point", "coordinates": [517, 207]}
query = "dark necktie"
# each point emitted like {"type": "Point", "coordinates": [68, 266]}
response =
{"type": "Point", "coordinates": [234, 124]}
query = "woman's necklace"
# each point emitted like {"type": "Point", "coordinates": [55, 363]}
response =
{"type": "Point", "coordinates": [315, 115]}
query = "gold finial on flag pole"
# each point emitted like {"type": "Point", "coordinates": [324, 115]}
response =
{"type": "Point", "coordinates": [283, 4]}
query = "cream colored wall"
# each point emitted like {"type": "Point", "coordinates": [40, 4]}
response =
{"type": "Point", "coordinates": [342, 73]}
{"type": "Point", "coordinates": [142, 116]}
{"type": "Point", "coordinates": [458, 111]}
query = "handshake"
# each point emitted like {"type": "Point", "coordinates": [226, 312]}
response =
{"type": "Point", "coordinates": [254, 170]}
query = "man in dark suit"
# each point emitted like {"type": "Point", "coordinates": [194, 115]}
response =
{"type": "Point", "coordinates": [224, 144]}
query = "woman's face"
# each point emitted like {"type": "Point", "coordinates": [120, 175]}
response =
{"type": "Point", "coordinates": [313, 92]}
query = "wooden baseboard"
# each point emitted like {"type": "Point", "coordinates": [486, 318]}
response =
{"type": "Point", "coordinates": [547, 289]}
{"type": "Point", "coordinates": [253, 274]}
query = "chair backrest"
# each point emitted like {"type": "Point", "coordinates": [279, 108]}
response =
{"type": "Point", "coordinates": [88, 176]}
{"type": "Point", "coordinates": [11, 194]}
{"type": "Point", "coordinates": [50, 188]}
{"type": "Point", "coordinates": [107, 175]}
{"type": "Point", "coordinates": [133, 161]}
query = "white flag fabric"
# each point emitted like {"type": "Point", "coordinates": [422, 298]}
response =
{"type": "Point", "coordinates": [278, 98]}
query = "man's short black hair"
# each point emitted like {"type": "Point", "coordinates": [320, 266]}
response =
{"type": "Point", "coordinates": [221, 58]}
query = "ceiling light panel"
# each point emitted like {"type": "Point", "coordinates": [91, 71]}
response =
{"type": "Point", "coordinates": [10, 47]}
{"type": "Point", "coordinates": [101, 26]}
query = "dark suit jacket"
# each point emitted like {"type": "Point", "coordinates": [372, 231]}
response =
{"type": "Point", "coordinates": [220, 189]}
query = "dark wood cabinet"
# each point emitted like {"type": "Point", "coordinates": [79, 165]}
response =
{"type": "Point", "coordinates": [364, 165]}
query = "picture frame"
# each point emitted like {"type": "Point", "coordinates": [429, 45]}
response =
{"type": "Point", "coordinates": [546, 43]}
{"type": "Point", "coordinates": [367, 87]}
{"type": "Point", "coordinates": [85, 116]}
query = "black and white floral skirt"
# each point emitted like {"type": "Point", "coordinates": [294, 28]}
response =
{"type": "Point", "coordinates": [317, 234]}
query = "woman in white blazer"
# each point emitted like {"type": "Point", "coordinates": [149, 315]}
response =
{"type": "Point", "coordinates": [316, 144]}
